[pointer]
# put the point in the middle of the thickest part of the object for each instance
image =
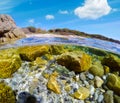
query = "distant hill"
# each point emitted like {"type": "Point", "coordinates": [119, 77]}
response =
{"type": "Point", "coordinates": [65, 31]}
{"type": "Point", "coordinates": [83, 34]}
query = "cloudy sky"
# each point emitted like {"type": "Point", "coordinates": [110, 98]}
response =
{"type": "Point", "coordinates": [90, 16]}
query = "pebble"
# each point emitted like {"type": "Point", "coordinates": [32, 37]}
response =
{"type": "Point", "coordinates": [100, 98]}
{"type": "Point", "coordinates": [90, 76]}
{"type": "Point", "coordinates": [82, 77]}
{"type": "Point", "coordinates": [92, 89]}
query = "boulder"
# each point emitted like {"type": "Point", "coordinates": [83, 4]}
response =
{"type": "Point", "coordinates": [6, 94]}
{"type": "Point", "coordinates": [75, 61]}
{"type": "Point", "coordinates": [113, 83]}
{"type": "Point", "coordinates": [97, 69]}
{"type": "Point", "coordinates": [112, 61]}
{"type": "Point", "coordinates": [8, 29]}
{"type": "Point", "coordinates": [30, 53]}
{"type": "Point", "coordinates": [9, 62]}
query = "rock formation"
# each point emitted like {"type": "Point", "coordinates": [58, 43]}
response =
{"type": "Point", "coordinates": [8, 29]}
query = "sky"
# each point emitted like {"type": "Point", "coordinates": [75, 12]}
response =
{"type": "Point", "coordinates": [90, 16]}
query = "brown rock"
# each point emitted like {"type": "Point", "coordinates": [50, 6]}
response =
{"type": "Point", "coordinates": [8, 29]}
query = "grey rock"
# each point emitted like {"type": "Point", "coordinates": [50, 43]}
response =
{"type": "Point", "coordinates": [82, 76]}
{"type": "Point", "coordinates": [100, 98]}
{"type": "Point", "coordinates": [90, 76]}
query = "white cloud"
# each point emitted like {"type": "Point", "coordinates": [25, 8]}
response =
{"type": "Point", "coordinates": [49, 17]}
{"type": "Point", "coordinates": [31, 21]}
{"type": "Point", "coordinates": [63, 12]}
{"type": "Point", "coordinates": [93, 9]}
{"type": "Point", "coordinates": [7, 5]}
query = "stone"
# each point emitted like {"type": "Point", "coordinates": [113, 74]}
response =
{"type": "Point", "coordinates": [108, 97]}
{"type": "Point", "coordinates": [113, 83]}
{"type": "Point", "coordinates": [82, 93]}
{"type": "Point", "coordinates": [10, 62]}
{"type": "Point", "coordinates": [75, 61]}
{"type": "Point", "coordinates": [82, 76]}
{"type": "Point", "coordinates": [116, 99]}
{"type": "Point", "coordinates": [100, 98]}
{"type": "Point", "coordinates": [8, 29]}
{"type": "Point", "coordinates": [67, 87]}
{"type": "Point", "coordinates": [90, 76]}
{"type": "Point", "coordinates": [6, 94]}
{"type": "Point", "coordinates": [30, 53]}
{"type": "Point", "coordinates": [92, 89]}
{"type": "Point", "coordinates": [98, 81]}
{"type": "Point", "coordinates": [112, 61]}
{"type": "Point", "coordinates": [53, 84]}
{"type": "Point", "coordinates": [97, 69]}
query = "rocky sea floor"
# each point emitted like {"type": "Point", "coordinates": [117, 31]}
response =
{"type": "Point", "coordinates": [66, 77]}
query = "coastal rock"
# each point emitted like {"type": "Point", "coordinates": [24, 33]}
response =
{"type": "Point", "coordinates": [9, 62]}
{"type": "Point", "coordinates": [6, 94]}
{"type": "Point", "coordinates": [113, 83]}
{"type": "Point", "coordinates": [53, 84]}
{"type": "Point", "coordinates": [97, 69]}
{"type": "Point", "coordinates": [8, 29]}
{"type": "Point", "coordinates": [81, 93]}
{"type": "Point", "coordinates": [76, 61]}
{"type": "Point", "coordinates": [30, 53]}
{"type": "Point", "coordinates": [112, 61]}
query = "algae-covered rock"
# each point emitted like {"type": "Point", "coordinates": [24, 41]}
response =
{"type": "Point", "coordinates": [6, 94]}
{"type": "Point", "coordinates": [116, 99]}
{"type": "Point", "coordinates": [10, 62]}
{"type": "Point", "coordinates": [112, 61]}
{"type": "Point", "coordinates": [97, 69]}
{"type": "Point", "coordinates": [113, 83]}
{"type": "Point", "coordinates": [81, 93]}
{"type": "Point", "coordinates": [76, 61]}
{"type": "Point", "coordinates": [56, 49]}
{"type": "Point", "coordinates": [53, 84]}
{"type": "Point", "coordinates": [30, 53]}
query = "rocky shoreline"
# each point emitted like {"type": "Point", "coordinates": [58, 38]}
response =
{"type": "Point", "coordinates": [58, 74]}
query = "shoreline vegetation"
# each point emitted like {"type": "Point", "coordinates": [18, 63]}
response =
{"type": "Point", "coordinates": [66, 32]}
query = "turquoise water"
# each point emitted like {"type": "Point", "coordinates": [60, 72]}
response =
{"type": "Point", "coordinates": [95, 43]}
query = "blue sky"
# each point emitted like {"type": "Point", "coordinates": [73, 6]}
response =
{"type": "Point", "coordinates": [90, 16]}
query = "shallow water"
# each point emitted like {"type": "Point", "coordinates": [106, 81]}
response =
{"type": "Point", "coordinates": [89, 42]}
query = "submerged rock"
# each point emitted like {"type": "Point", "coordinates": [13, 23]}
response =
{"type": "Point", "coordinates": [108, 97]}
{"type": "Point", "coordinates": [81, 93]}
{"type": "Point", "coordinates": [97, 69]}
{"type": "Point", "coordinates": [30, 53]}
{"type": "Point", "coordinates": [6, 94]}
{"type": "Point", "coordinates": [112, 61]}
{"type": "Point", "coordinates": [76, 61]}
{"type": "Point", "coordinates": [53, 84]}
{"type": "Point", "coordinates": [9, 62]}
{"type": "Point", "coordinates": [113, 83]}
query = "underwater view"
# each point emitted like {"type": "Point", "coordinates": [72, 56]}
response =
{"type": "Point", "coordinates": [60, 51]}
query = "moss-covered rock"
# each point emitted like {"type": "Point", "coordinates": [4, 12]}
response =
{"type": "Point", "coordinates": [113, 83]}
{"type": "Point", "coordinates": [10, 62]}
{"type": "Point", "coordinates": [76, 61]}
{"type": "Point", "coordinates": [97, 69]}
{"type": "Point", "coordinates": [57, 49]}
{"type": "Point", "coordinates": [30, 53]}
{"type": "Point", "coordinates": [6, 94]}
{"type": "Point", "coordinates": [112, 61]}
